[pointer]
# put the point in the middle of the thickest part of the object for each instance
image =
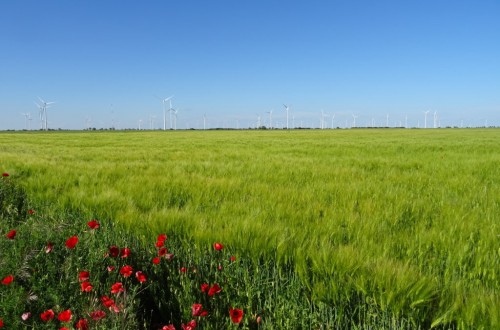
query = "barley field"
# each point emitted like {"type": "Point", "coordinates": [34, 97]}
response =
{"type": "Point", "coordinates": [405, 220]}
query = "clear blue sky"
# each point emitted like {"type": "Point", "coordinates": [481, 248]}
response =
{"type": "Point", "coordinates": [236, 60]}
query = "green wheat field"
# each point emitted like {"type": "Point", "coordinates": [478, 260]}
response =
{"type": "Point", "coordinates": [404, 220]}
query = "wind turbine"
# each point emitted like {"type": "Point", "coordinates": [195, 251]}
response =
{"type": "Point", "coordinates": [425, 118]}
{"type": "Point", "coordinates": [27, 116]}
{"type": "Point", "coordinates": [43, 112]}
{"type": "Point", "coordinates": [333, 117]}
{"type": "Point", "coordinates": [435, 119]}
{"type": "Point", "coordinates": [204, 121]}
{"type": "Point", "coordinates": [270, 119]}
{"type": "Point", "coordinates": [164, 110]}
{"type": "Point", "coordinates": [286, 109]}
{"type": "Point", "coordinates": [354, 120]}
{"type": "Point", "coordinates": [140, 122]}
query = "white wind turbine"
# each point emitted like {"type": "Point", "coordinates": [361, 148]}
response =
{"type": "Point", "coordinates": [435, 119]}
{"type": "Point", "coordinates": [163, 101]}
{"type": "Point", "coordinates": [27, 117]}
{"type": "Point", "coordinates": [354, 120]}
{"type": "Point", "coordinates": [270, 119]}
{"type": "Point", "coordinates": [333, 117]}
{"type": "Point", "coordinates": [287, 108]}
{"type": "Point", "coordinates": [425, 118]}
{"type": "Point", "coordinates": [204, 121]}
{"type": "Point", "coordinates": [43, 112]}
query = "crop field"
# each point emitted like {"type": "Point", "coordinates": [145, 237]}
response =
{"type": "Point", "coordinates": [404, 220]}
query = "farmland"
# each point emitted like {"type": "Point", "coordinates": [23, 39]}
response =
{"type": "Point", "coordinates": [406, 220]}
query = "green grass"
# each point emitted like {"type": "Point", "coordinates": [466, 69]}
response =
{"type": "Point", "coordinates": [405, 221]}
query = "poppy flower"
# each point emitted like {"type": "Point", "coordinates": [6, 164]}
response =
{"type": "Point", "coordinates": [110, 268]}
{"type": "Point", "coordinates": [114, 251]}
{"type": "Point", "coordinates": [214, 289]}
{"type": "Point", "coordinates": [107, 301]}
{"type": "Point", "coordinates": [204, 288]}
{"type": "Point", "coordinates": [1, 323]}
{"type": "Point", "coordinates": [82, 324]}
{"type": "Point", "coordinates": [7, 280]}
{"type": "Point", "coordinates": [156, 260]}
{"type": "Point", "coordinates": [169, 256]}
{"type": "Point", "coordinates": [11, 234]}
{"type": "Point", "coordinates": [49, 247]}
{"type": "Point", "coordinates": [218, 246]}
{"type": "Point", "coordinates": [47, 315]}
{"type": "Point", "coordinates": [65, 316]}
{"type": "Point", "coordinates": [183, 269]}
{"type": "Point", "coordinates": [93, 224]}
{"type": "Point", "coordinates": [25, 316]}
{"type": "Point", "coordinates": [71, 242]}
{"type": "Point", "coordinates": [196, 309]}
{"type": "Point", "coordinates": [162, 238]}
{"type": "Point", "coordinates": [162, 251]}
{"type": "Point", "coordinates": [5, 174]}
{"type": "Point", "coordinates": [190, 326]}
{"type": "Point", "coordinates": [117, 287]}
{"type": "Point", "coordinates": [141, 277]}
{"type": "Point", "coordinates": [125, 252]}
{"type": "Point", "coordinates": [86, 287]}
{"type": "Point", "coordinates": [168, 327]}
{"type": "Point", "coordinates": [97, 315]}
{"type": "Point", "coordinates": [126, 270]}
{"type": "Point", "coordinates": [31, 212]}
{"type": "Point", "coordinates": [232, 259]}
{"type": "Point", "coordinates": [236, 315]}
{"type": "Point", "coordinates": [83, 276]}
{"type": "Point", "coordinates": [63, 328]}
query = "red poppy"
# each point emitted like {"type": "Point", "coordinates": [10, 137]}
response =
{"type": "Point", "coordinates": [49, 247]}
{"type": "Point", "coordinates": [47, 315]}
{"type": "Point", "coordinates": [190, 326]}
{"type": "Point", "coordinates": [156, 260]}
{"type": "Point", "coordinates": [183, 269]}
{"type": "Point", "coordinates": [110, 268]}
{"type": "Point", "coordinates": [86, 287]}
{"type": "Point", "coordinates": [125, 252]}
{"type": "Point", "coordinates": [71, 242]}
{"type": "Point", "coordinates": [214, 289]}
{"type": "Point", "coordinates": [65, 316]}
{"type": "Point", "coordinates": [11, 234]}
{"type": "Point", "coordinates": [1, 323]}
{"type": "Point", "coordinates": [117, 287]}
{"type": "Point", "coordinates": [162, 251]}
{"type": "Point", "coordinates": [7, 280]}
{"type": "Point", "coordinates": [218, 246]}
{"type": "Point", "coordinates": [82, 324]}
{"type": "Point", "coordinates": [63, 328]}
{"type": "Point", "coordinates": [197, 310]}
{"type": "Point", "coordinates": [97, 315]}
{"type": "Point", "coordinates": [83, 276]}
{"type": "Point", "coordinates": [168, 327]}
{"type": "Point", "coordinates": [114, 251]}
{"type": "Point", "coordinates": [204, 288]}
{"type": "Point", "coordinates": [236, 315]}
{"type": "Point", "coordinates": [126, 270]}
{"type": "Point", "coordinates": [5, 174]}
{"type": "Point", "coordinates": [107, 301]}
{"type": "Point", "coordinates": [162, 238]}
{"type": "Point", "coordinates": [232, 259]}
{"type": "Point", "coordinates": [31, 212]}
{"type": "Point", "coordinates": [93, 224]}
{"type": "Point", "coordinates": [141, 277]}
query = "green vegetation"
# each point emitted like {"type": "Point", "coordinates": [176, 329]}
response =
{"type": "Point", "coordinates": [380, 224]}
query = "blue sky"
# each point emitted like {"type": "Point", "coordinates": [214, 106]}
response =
{"type": "Point", "coordinates": [235, 61]}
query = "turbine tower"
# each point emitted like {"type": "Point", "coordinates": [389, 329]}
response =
{"type": "Point", "coordinates": [27, 116]}
{"type": "Point", "coordinates": [354, 120]}
{"type": "Point", "coordinates": [287, 108]}
{"type": "Point", "coordinates": [163, 101]}
{"type": "Point", "coordinates": [43, 112]}
{"type": "Point", "coordinates": [425, 118]}
{"type": "Point", "coordinates": [270, 119]}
